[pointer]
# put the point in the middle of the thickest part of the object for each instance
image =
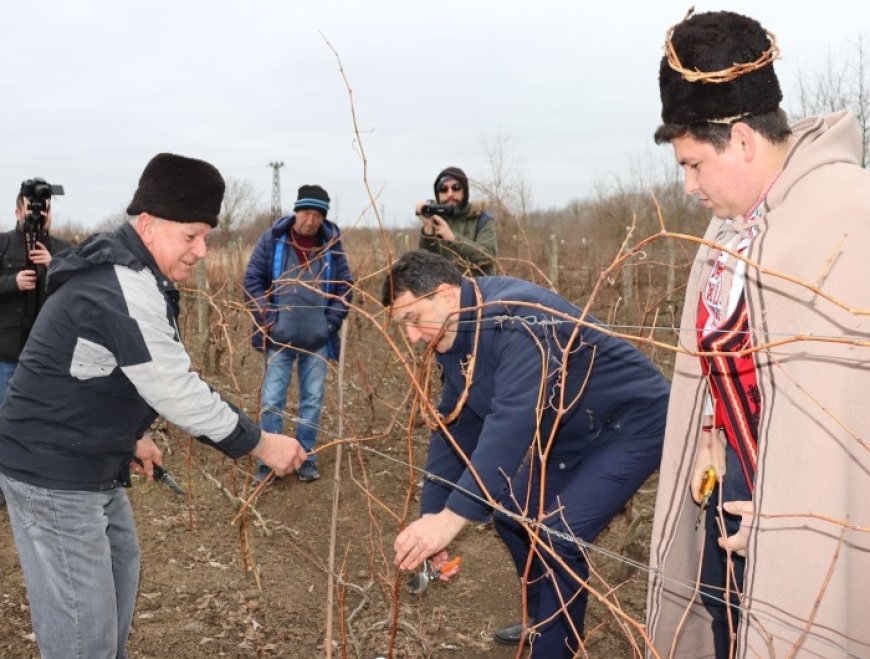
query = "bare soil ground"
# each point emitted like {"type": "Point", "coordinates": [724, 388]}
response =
{"type": "Point", "coordinates": [259, 588]}
{"type": "Point", "coordinates": [197, 600]}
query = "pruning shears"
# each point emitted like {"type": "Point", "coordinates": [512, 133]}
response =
{"type": "Point", "coordinates": [161, 475]}
{"type": "Point", "coordinates": [707, 487]}
{"type": "Point", "coordinates": [428, 573]}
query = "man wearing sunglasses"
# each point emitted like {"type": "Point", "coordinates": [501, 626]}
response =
{"type": "Point", "coordinates": [467, 235]}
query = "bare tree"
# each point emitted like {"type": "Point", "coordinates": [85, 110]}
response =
{"type": "Point", "coordinates": [506, 193]}
{"type": "Point", "coordinates": [842, 82]}
{"type": "Point", "coordinates": [504, 187]}
{"type": "Point", "coordinates": [239, 208]}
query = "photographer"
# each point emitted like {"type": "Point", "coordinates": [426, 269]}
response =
{"type": "Point", "coordinates": [452, 228]}
{"type": "Point", "coordinates": [22, 270]}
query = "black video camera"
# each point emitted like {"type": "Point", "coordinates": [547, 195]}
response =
{"type": "Point", "coordinates": [37, 192]}
{"type": "Point", "coordinates": [430, 208]}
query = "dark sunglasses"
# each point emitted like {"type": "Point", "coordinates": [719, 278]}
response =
{"type": "Point", "coordinates": [456, 187]}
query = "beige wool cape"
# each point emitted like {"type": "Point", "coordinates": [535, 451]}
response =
{"type": "Point", "coordinates": [807, 583]}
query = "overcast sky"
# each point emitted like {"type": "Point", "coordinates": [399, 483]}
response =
{"type": "Point", "coordinates": [94, 88]}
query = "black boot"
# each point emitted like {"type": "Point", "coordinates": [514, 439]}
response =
{"type": "Point", "coordinates": [511, 635]}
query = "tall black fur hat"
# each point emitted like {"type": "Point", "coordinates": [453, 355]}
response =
{"type": "Point", "coordinates": [711, 42]}
{"type": "Point", "coordinates": [457, 175]}
{"type": "Point", "coordinates": [180, 189]}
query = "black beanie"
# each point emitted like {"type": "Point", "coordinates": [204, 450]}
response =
{"type": "Point", "coordinates": [312, 197]}
{"type": "Point", "coordinates": [710, 42]}
{"type": "Point", "coordinates": [457, 175]}
{"type": "Point", "coordinates": [179, 189]}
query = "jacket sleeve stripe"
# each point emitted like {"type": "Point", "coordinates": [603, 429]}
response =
{"type": "Point", "coordinates": [165, 381]}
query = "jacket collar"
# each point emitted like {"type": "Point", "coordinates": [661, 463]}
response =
{"type": "Point", "coordinates": [467, 319]}
{"type": "Point", "coordinates": [133, 242]}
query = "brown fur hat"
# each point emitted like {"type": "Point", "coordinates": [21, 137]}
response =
{"type": "Point", "coordinates": [180, 189]}
{"type": "Point", "coordinates": [711, 42]}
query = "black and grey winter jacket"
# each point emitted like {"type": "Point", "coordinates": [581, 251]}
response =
{"type": "Point", "coordinates": [104, 358]}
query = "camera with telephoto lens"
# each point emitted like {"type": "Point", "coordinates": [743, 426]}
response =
{"type": "Point", "coordinates": [36, 192]}
{"type": "Point", "coordinates": [430, 208]}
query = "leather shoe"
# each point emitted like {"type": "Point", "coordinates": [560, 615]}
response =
{"type": "Point", "coordinates": [511, 635]}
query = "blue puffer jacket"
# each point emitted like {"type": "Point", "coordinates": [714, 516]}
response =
{"type": "Point", "coordinates": [293, 312]}
{"type": "Point", "coordinates": [613, 394]}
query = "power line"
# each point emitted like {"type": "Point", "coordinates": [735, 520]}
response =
{"type": "Point", "coordinates": [276, 189]}
{"type": "Point", "coordinates": [496, 322]}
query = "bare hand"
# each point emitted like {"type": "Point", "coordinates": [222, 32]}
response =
{"type": "Point", "coordinates": [442, 229]}
{"type": "Point", "coordinates": [26, 279]}
{"type": "Point", "coordinates": [711, 453]}
{"type": "Point", "coordinates": [428, 227]}
{"type": "Point", "coordinates": [737, 543]}
{"type": "Point", "coordinates": [426, 537]}
{"type": "Point", "coordinates": [149, 454]}
{"type": "Point", "coordinates": [40, 255]}
{"type": "Point", "coordinates": [281, 453]}
{"type": "Point", "coordinates": [435, 225]}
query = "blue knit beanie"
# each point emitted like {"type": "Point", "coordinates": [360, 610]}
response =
{"type": "Point", "coordinates": [312, 197]}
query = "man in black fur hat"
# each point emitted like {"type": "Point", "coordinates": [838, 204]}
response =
{"type": "Point", "coordinates": [466, 236]}
{"type": "Point", "coordinates": [104, 358]}
{"type": "Point", "coordinates": [766, 433]}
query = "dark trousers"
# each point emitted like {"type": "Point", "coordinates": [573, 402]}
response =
{"type": "Point", "coordinates": [721, 586]}
{"type": "Point", "coordinates": [588, 496]}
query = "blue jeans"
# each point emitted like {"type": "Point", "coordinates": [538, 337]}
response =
{"type": "Point", "coordinates": [7, 368]}
{"type": "Point", "coordinates": [80, 557]}
{"type": "Point", "coordinates": [587, 496]}
{"type": "Point", "coordinates": [312, 379]}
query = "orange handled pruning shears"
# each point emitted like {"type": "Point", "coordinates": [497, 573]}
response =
{"type": "Point", "coordinates": [707, 487]}
{"type": "Point", "coordinates": [449, 565]}
{"type": "Point", "coordinates": [428, 573]}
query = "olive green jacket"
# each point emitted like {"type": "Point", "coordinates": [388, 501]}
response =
{"type": "Point", "coordinates": [475, 249]}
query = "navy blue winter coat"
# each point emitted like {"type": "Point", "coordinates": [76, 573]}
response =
{"type": "Point", "coordinates": [293, 312]}
{"type": "Point", "coordinates": [613, 393]}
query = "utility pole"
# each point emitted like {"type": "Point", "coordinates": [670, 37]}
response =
{"type": "Point", "coordinates": [276, 189]}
